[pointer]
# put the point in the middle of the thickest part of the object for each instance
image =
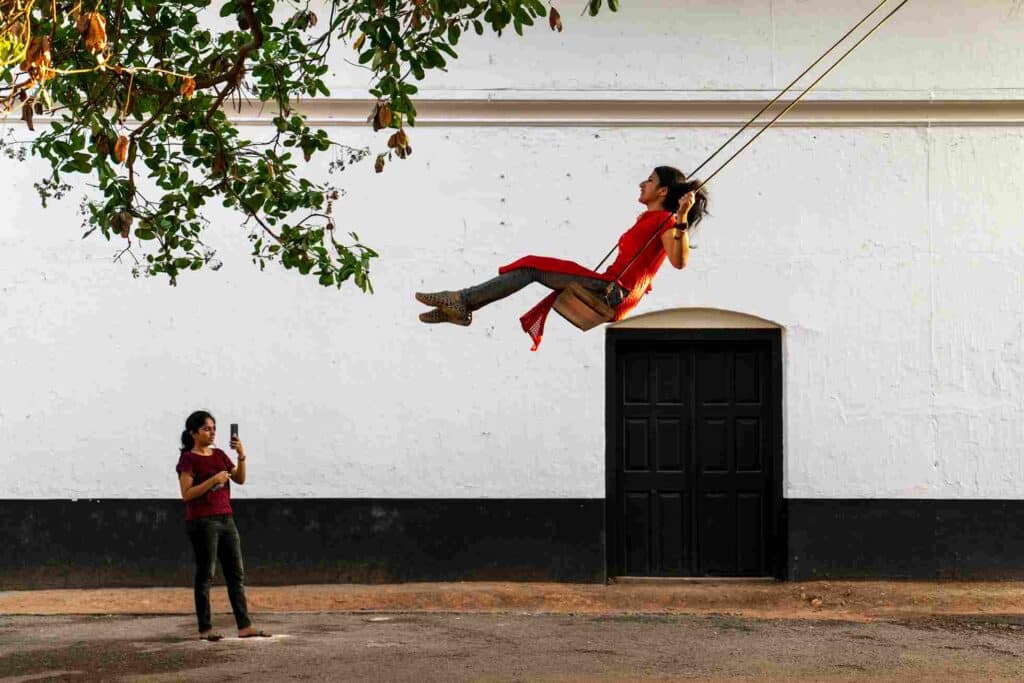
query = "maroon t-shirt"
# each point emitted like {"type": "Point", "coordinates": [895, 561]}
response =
{"type": "Point", "coordinates": [202, 468]}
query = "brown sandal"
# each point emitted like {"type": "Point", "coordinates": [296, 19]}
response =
{"type": "Point", "coordinates": [435, 315]}
{"type": "Point", "coordinates": [450, 307]}
{"type": "Point", "coordinates": [445, 299]}
{"type": "Point", "coordinates": [439, 315]}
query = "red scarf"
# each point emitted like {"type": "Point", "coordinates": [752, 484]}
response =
{"type": "Point", "coordinates": [636, 280]}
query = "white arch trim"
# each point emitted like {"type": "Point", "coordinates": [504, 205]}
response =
{"type": "Point", "coordinates": [697, 318]}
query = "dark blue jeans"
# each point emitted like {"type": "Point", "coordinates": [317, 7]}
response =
{"type": "Point", "coordinates": [213, 538]}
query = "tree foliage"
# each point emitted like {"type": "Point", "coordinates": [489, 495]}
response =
{"type": "Point", "coordinates": [139, 93]}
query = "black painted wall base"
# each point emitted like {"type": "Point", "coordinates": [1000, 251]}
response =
{"type": "Point", "coordinates": [89, 543]}
{"type": "Point", "coordinates": [914, 539]}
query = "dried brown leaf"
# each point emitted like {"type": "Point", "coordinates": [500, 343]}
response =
{"type": "Point", "coordinates": [555, 20]}
{"type": "Point", "coordinates": [121, 148]}
{"type": "Point", "coordinates": [26, 115]}
{"type": "Point", "coordinates": [38, 62]}
{"type": "Point", "coordinates": [122, 223]}
{"type": "Point", "coordinates": [381, 116]}
{"type": "Point", "coordinates": [188, 87]}
{"type": "Point", "coordinates": [93, 27]}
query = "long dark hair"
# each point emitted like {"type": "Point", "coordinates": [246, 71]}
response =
{"type": "Point", "coordinates": [678, 185]}
{"type": "Point", "coordinates": [192, 424]}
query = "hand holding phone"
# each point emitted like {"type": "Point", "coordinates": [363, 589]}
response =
{"type": "Point", "coordinates": [236, 443]}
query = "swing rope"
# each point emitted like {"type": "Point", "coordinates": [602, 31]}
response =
{"type": "Point", "coordinates": [802, 94]}
{"type": "Point", "coordinates": [786, 89]}
{"type": "Point", "coordinates": [777, 116]}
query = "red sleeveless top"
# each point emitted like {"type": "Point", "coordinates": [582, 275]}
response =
{"type": "Point", "coordinates": [636, 280]}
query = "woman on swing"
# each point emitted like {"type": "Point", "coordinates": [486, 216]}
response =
{"type": "Point", "coordinates": [666, 193]}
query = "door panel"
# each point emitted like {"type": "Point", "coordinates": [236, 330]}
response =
{"type": "Point", "coordinates": [653, 420]}
{"type": "Point", "coordinates": [749, 438]}
{"type": "Point", "coordinates": [636, 444]}
{"type": "Point", "coordinates": [671, 517]}
{"type": "Point", "coordinates": [637, 545]}
{"type": "Point", "coordinates": [668, 438]}
{"type": "Point", "coordinates": [750, 532]}
{"type": "Point", "coordinates": [733, 481]}
{"type": "Point", "coordinates": [713, 441]}
{"type": "Point", "coordinates": [716, 551]}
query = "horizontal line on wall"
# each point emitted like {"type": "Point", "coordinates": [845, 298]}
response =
{"type": "Point", "coordinates": [650, 113]}
{"type": "Point", "coordinates": [639, 113]}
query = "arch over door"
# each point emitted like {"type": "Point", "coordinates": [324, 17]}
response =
{"type": "Point", "coordinates": [694, 456]}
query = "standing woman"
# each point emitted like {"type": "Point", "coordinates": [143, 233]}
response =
{"type": "Point", "coordinates": [205, 474]}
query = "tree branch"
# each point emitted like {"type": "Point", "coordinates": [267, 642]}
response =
{"type": "Point", "coordinates": [233, 76]}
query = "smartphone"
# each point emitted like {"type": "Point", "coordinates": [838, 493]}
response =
{"type": "Point", "coordinates": [234, 430]}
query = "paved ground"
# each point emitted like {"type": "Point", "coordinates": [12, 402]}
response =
{"type": "Point", "coordinates": [839, 631]}
{"type": "Point", "coordinates": [514, 647]}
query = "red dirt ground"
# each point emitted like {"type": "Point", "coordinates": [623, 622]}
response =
{"type": "Point", "coordinates": [818, 600]}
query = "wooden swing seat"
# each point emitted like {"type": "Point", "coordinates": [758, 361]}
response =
{"type": "Point", "coordinates": [582, 307]}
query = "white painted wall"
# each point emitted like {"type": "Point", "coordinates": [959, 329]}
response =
{"type": "Point", "coordinates": [655, 46]}
{"type": "Point", "coordinates": [893, 256]}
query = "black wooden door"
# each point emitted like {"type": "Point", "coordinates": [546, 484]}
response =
{"type": "Point", "coordinates": [692, 443]}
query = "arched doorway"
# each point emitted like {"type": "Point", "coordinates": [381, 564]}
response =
{"type": "Point", "coordinates": [694, 445]}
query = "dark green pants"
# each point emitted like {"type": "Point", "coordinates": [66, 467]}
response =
{"type": "Point", "coordinates": [213, 538]}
